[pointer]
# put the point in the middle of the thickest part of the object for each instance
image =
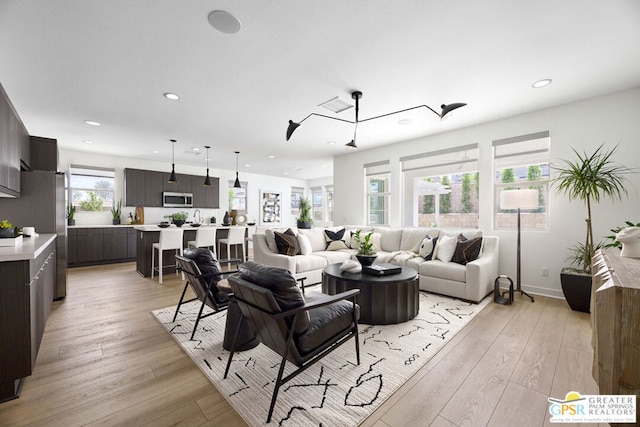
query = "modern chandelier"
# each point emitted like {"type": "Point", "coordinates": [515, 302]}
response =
{"type": "Point", "coordinates": [356, 95]}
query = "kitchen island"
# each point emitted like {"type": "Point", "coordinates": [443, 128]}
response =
{"type": "Point", "coordinates": [147, 235]}
{"type": "Point", "coordinates": [28, 273]}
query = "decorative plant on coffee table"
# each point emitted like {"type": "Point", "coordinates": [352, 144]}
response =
{"type": "Point", "coordinates": [365, 254]}
{"type": "Point", "coordinates": [7, 230]}
{"type": "Point", "coordinates": [116, 211]}
{"type": "Point", "coordinates": [590, 178]}
{"type": "Point", "coordinates": [178, 218]}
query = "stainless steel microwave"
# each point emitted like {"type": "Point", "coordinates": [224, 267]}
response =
{"type": "Point", "coordinates": [177, 200]}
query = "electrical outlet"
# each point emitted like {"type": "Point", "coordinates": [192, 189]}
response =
{"type": "Point", "coordinates": [545, 271]}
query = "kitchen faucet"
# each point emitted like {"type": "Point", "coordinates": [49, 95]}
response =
{"type": "Point", "coordinates": [197, 211]}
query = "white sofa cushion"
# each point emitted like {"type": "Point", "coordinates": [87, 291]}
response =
{"type": "Point", "coordinates": [333, 257]}
{"type": "Point", "coordinates": [412, 238]}
{"type": "Point", "coordinates": [446, 247]}
{"type": "Point", "coordinates": [306, 263]}
{"type": "Point", "coordinates": [316, 237]}
{"type": "Point", "coordinates": [389, 238]}
{"type": "Point", "coordinates": [444, 270]}
{"type": "Point", "coordinates": [304, 243]}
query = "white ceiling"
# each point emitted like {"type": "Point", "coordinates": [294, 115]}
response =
{"type": "Point", "coordinates": [66, 61]}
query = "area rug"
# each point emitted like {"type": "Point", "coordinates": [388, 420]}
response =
{"type": "Point", "coordinates": [334, 391]}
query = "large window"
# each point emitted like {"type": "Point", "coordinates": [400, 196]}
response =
{"type": "Point", "coordinates": [329, 190]}
{"type": "Point", "coordinates": [297, 194]}
{"type": "Point", "coordinates": [90, 188]}
{"type": "Point", "coordinates": [316, 203]}
{"type": "Point", "coordinates": [522, 162]}
{"type": "Point", "coordinates": [238, 198]}
{"type": "Point", "coordinates": [442, 187]}
{"type": "Point", "coordinates": [378, 197]}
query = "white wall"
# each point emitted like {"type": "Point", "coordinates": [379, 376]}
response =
{"type": "Point", "coordinates": [255, 183]}
{"type": "Point", "coordinates": [584, 125]}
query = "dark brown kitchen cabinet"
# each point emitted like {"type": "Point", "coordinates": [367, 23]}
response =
{"type": "Point", "coordinates": [153, 188]}
{"type": "Point", "coordinates": [44, 154]}
{"type": "Point", "coordinates": [90, 245]}
{"type": "Point", "coordinates": [101, 245]}
{"type": "Point", "coordinates": [182, 186]}
{"type": "Point", "coordinates": [134, 187]}
{"type": "Point", "coordinates": [26, 296]}
{"type": "Point", "coordinates": [205, 197]}
{"type": "Point", "coordinates": [14, 147]}
{"type": "Point", "coordinates": [145, 188]}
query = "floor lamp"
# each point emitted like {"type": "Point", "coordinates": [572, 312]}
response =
{"type": "Point", "coordinates": [521, 198]}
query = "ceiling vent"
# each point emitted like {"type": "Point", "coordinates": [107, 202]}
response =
{"type": "Point", "coordinates": [336, 105]}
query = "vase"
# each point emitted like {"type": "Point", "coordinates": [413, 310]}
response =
{"type": "Point", "coordinates": [226, 220]}
{"type": "Point", "coordinates": [366, 260]}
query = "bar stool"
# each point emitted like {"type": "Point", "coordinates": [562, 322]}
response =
{"type": "Point", "coordinates": [235, 237]}
{"type": "Point", "coordinates": [170, 239]}
{"type": "Point", "coordinates": [205, 238]}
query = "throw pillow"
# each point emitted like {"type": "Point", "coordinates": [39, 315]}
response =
{"type": "Point", "coordinates": [446, 248]}
{"type": "Point", "coordinates": [305, 244]}
{"type": "Point", "coordinates": [335, 240]}
{"type": "Point", "coordinates": [467, 250]}
{"type": "Point", "coordinates": [282, 285]}
{"type": "Point", "coordinates": [287, 242]}
{"type": "Point", "coordinates": [269, 234]}
{"type": "Point", "coordinates": [427, 247]}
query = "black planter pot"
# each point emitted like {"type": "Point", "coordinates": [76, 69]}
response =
{"type": "Point", "coordinates": [71, 221]}
{"type": "Point", "coordinates": [178, 222]}
{"type": "Point", "coordinates": [7, 233]}
{"type": "Point", "coordinates": [366, 260]}
{"type": "Point", "coordinates": [304, 224]}
{"type": "Point", "coordinates": [576, 286]}
{"type": "Point", "coordinates": [116, 221]}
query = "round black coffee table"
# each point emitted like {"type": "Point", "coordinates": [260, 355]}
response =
{"type": "Point", "coordinates": [382, 299]}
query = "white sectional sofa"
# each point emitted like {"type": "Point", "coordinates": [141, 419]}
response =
{"type": "Point", "coordinates": [471, 282]}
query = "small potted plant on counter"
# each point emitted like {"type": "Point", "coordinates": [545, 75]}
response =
{"type": "Point", "coordinates": [116, 211]}
{"type": "Point", "coordinates": [365, 254]}
{"type": "Point", "coordinates": [71, 211]}
{"type": "Point", "coordinates": [178, 218]}
{"type": "Point", "coordinates": [7, 230]}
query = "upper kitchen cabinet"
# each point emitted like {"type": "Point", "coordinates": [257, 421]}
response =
{"type": "Point", "coordinates": [205, 197]}
{"type": "Point", "coordinates": [142, 188]}
{"type": "Point", "coordinates": [44, 154]}
{"type": "Point", "coordinates": [14, 147]}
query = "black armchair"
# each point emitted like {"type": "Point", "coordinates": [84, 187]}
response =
{"type": "Point", "coordinates": [300, 331]}
{"type": "Point", "coordinates": [202, 272]}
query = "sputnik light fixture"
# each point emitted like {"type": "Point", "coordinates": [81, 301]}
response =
{"type": "Point", "coordinates": [236, 184]}
{"type": "Point", "coordinates": [356, 95]}
{"type": "Point", "coordinates": [172, 178]}
{"type": "Point", "coordinates": [207, 179]}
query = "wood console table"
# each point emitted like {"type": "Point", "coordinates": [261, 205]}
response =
{"type": "Point", "coordinates": [615, 316]}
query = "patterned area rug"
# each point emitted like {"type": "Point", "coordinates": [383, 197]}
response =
{"type": "Point", "coordinates": [335, 391]}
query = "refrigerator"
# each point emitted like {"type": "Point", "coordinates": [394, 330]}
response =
{"type": "Point", "coordinates": [42, 205]}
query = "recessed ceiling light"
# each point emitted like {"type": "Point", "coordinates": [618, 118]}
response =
{"type": "Point", "coordinates": [247, 165]}
{"type": "Point", "coordinates": [331, 143]}
{"type": "Point", "coordinates": [171, 96]}
{"type": "Point", "coordinates": [155, 152]}
{"type": "Point", "coordinates": [285, 173]}
{"type": "Point", "coordinates": [87, 142]}
{"type": "Point", "coordinates": [224, 22]}
{"type": "Point", "coordinates": [92, 123]}
{"type": "Point", "coordinates": [541, 83]}
{"type": "Point", "coordinates": [271, 156]}
{"type": "Point", "coordinates": [404, 122]}
{"type": "Point", "coordinates": [195, 148]}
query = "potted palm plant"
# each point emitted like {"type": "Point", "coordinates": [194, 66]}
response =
{"type": "Point", "coordinates": [71, 212]}
{"type": "Point", "coordinates": [590, 178]}
{"type": "Point", "coordinates": [304, 220]}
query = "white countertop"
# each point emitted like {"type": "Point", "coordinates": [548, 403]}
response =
{"type": "Point", "coordinates": [30, 248]}
{"type": "Point", "coordinates": [101, 226]}
{"type": "Point", "coordinates": [154, 227]}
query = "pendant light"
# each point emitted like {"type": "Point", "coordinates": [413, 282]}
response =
{"type": "Point", "coordinates": [172, 178]}
{"type": "Point", "coordinates": [237, 183]}
{"type": "Point", "coordinates": [207, 180]}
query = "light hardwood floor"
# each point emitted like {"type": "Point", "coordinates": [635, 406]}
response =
{"type": "Point", "coordinates": [105, 360]}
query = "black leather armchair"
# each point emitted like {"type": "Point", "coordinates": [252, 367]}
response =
{"type": "Point", "coordinates": [202, 272]}
{"type": "Point", "coordinates": [300, 331]}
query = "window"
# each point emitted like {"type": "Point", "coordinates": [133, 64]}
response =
{"type": "Point", "coordinates": [91, 188]}
{"type": "Point", "coordinates": [238, 198]}
{"type": "Point", "coordinates": [442, 187]}
{"type": "Point", "coordinates": [378, 178]}
{"type": "Point", "coordinates": [297, 194]}
{"type": "Point", "coordinates": [329, 190]}
{"type": "Point", "coordinates": [522, 162]}
{"type": "Point", "coordinates": [316, 202]}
